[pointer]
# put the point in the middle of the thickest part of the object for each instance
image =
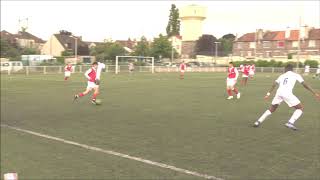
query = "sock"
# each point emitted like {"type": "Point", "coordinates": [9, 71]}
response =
{"type": "Point", "coordinates": [235, 90]}
{"type": "Point", "coordinates": [65, 78]}
{"type": "Point", "coordinates": [295, 116]}
{"type": "Point", "coordinates": [229, 92]}
{"type": "Point", "coordinates": [264, 116]}
{"type": "Point", "coordinates": [81, 94]}
{"type": "Point", "coordinates": [94, 96]}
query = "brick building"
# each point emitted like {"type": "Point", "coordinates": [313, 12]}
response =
{"type": "Point", "coordinates": [278, 44]}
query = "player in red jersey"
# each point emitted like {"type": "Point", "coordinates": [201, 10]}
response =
{"type": "Point", "coordinates": [182, 69]}
{"type": "Point", "coordinates": [67, 71]}
{"type": "Point", "coordinates": [252, 70]}
{"type": "Point", "coordinates": [91, 76]}
{"type": "Point", "coordinates": [245, 74]}
{"type": "Point", "coordinates": [232, 80]}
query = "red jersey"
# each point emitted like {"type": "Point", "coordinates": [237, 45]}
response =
{"type": "Point", "coordinates": [91, 74]}
{"type": "Point", "coordinates": [246, 69]}
{"type": "Point", "coordinates": [182, 66]}
{"type": "Point", "coordinates": [232, 72]}
{"type": "Point", "coordinates": [68, 68]}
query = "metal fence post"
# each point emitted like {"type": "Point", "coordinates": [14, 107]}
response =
{"type": "Point", "coordinates": [272, 70]}
{"type": "Point", "coordinates": [27, 70]}
{"type": "Point", "coordinates": [261, 69]}
{"type": "Point", "coordinates": [80, 69]}
{"type": "Point", "coordinates": [44, 69]}
{"type": "Point", "coordinates": [60, 69]}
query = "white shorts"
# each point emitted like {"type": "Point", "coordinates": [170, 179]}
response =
{"type": "Point", "coordinates": [290, 99]}
{"type": "Point", "coordinates": [67, 73]}
{"type": "Point", "coordinates": [251, 73]}
{"type": "Point", "coordinates": [244, 75]}
{"type": "Point", "coordinates": [91, 85]}
{"type": "Point", "coordinates": [231, 82]}
{"type": "Point", "coordinates": [182, 71]}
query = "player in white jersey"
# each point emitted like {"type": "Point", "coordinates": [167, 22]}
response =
{"type": "Point", "coordinates": [317, 75]}
{"type": "Point", "coordinates": [284, 93]}
{"type": "Point", "coordinates": [99, 69]}
{"type": "Point", "coordinates": [307, 69]}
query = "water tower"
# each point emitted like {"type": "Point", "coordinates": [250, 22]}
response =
{"type": "Point", "coordinates": [192, 18]}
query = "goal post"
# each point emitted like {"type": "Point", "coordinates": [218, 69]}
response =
{"type": "Point", "coordinates": [135, 59]}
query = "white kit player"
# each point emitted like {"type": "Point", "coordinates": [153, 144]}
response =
{"type": "Point", "coordinates": [284, 93]}
{"type": "Point", "coordinates": [231, 81]}
{"type": "Point", "coordinates": [317, 72]}
{"type": "Point", "coordinates": [307, 69]}
{"type": "Point", "coordinates": [99, 70]}
{"type": "Point", "coordinates": [131, 67]}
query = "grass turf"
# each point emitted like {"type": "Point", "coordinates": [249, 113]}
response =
{"type": "Point", "coordinates": [186, 123]}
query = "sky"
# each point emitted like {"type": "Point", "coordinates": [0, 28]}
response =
{"type": "Point", "coordinates": [119, 20]}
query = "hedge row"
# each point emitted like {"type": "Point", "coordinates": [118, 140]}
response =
{"type": "Point", "coordinates": [273, 63]}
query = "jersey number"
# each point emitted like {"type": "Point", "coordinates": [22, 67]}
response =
{"type": "Point", "coordinates": [285, 81]}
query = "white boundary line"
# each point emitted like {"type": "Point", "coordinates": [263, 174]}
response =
{"type": "Point", "coordinates": [153, 163]}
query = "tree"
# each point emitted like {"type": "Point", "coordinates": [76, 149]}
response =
{"type": "Point", "coordinates": [173, 27]}
{"type": "Point", "coordinates": [107, 51]}
{"type": "Point", "coordinates": [161, 46]}
{"type": "Point", "coordinates": [30, 51]}
{"type": "Point", "coordinates": [142, 48]}
{"type": "Point", "coordinates": [205, 45]}
{"type": "Point", "coordinates": [227, 43]}
{"type": "Point", "coordinates": [9, 51]}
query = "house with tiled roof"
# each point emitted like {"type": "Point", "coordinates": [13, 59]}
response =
{"type": "Point", "coordinates": [66, 44]}
{"type": "Point", "coordinates": [23, 39]}
{"type": "Point", "coordinates": [278, 44]}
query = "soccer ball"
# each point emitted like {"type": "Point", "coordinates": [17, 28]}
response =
{"type": "Point", "coordinates": [98, 101]}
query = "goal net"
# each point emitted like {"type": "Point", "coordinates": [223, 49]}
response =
{"type": "Point", "coordinates": [138, 63]}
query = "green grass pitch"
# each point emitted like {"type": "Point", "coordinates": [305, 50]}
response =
{"type": "Point", "coordinates": [185, 123]}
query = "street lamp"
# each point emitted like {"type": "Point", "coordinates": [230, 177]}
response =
{"type": "Point", "coordinates": [172, 54]}
{"type": "Point", "coordinates": [215, 59]}
{"type": "Point", "coordinates": [75, 47]}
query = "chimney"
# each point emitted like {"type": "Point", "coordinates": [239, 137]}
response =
{"type": "Point", "coordinates": [304, 32]}
{"type": "Point", "coordinates": [259, 34]}
{"type": "Point", "coordinates": [287, 33]}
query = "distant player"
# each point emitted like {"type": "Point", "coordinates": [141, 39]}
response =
{"type": "Point", "coordinates": [231, 81]}
{"type": "Point", "coordinates": [317, 75]}
{"type": "Point", "coordinates": [131, 67]}
{"type": "Point", "coordinates": [91, 75]}
{"type": "Point", "coordinates": [307, 70]}
{"type": "Point", "coordinates": [284, 93]}
{"type": "Point", "coordinates": [67, 71]}
{"type": "Point", "coordinates": [245, 74]}
{"type": "Point", "coordinates": [182, 69]}
{"type": "Point", "coordinates": [252, 70]}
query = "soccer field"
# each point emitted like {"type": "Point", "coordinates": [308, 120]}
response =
{"type": "Point", "coordinates": [187, 124]}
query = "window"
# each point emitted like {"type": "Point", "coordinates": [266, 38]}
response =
{"type": "Point", "coordinates": [249, 53]}
{"type": "Point", "coordinates": [5, 64]}
{"type": "Point", "coordinates": [266, 44]}
{"type": "Point", "coordinates": [312, 43]}
{"type": "Point", "coordinates": [295, 43]}
{"type": "Point", "coordinates": [252, 45]}
{"type": "Point", "coordinates": [280, 44]}
{"type": "Point", "coordinates": [239, 45]}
